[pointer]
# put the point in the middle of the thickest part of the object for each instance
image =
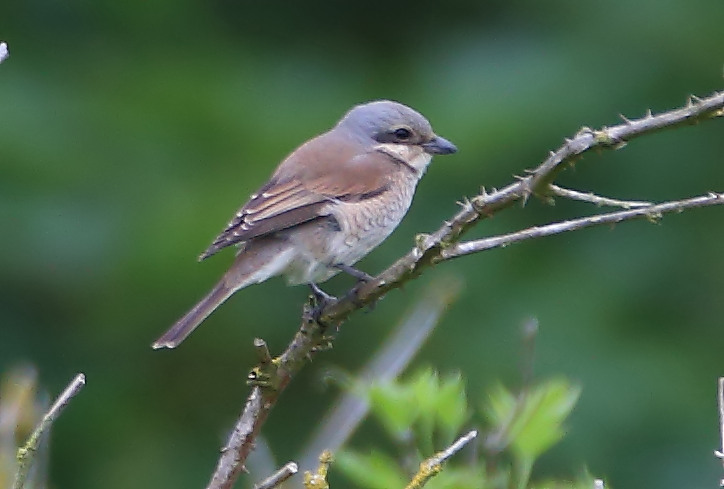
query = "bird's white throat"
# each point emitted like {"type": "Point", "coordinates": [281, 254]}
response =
{"type": "Point", "coordinates": [413, 156]}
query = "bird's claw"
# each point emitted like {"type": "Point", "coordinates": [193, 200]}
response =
{"type": "Point", "coordinates": [319, 300]}
{"type": "Point", "coordinates": [360, 275]}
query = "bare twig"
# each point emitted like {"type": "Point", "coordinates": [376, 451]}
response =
{"type": "Point", "coordinates": [595, 199]}
{"type": "Point", "coordinates": [278, 477]}
{"type": "Point", "coordinates": [4, 53]}
{"type": "Point", "coordinates": [432, 466]}
{"type": "Point", "coordinates": [436, 247]}
{"type": "Point", "coordinates": [26, 453]}
{"type": "Point", "coordinates": [387, 364]}
{"type": "Point", "coordinates": [241, 440]}
{"type": "Point", "coordinates": [720, 398]}
{"type": "Point", "coordinates": [651, 212]}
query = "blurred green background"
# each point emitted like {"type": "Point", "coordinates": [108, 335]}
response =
{"type": "Point", "coordinates": [131, 131]}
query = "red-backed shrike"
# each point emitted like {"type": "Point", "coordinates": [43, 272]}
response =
{"type": "Point", "coordinates": [326, 206]}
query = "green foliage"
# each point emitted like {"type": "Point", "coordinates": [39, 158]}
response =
{"type": "Point", "coordinates": [532, 419]}
{"type": "Point", "coordinates": [373, 470]}
{"type": "Point", "coordinates": [425, 404]}
{"type": "Point", "coordinates": [427, 410]}
{"type": "Point", "coordinates": [584, 481]}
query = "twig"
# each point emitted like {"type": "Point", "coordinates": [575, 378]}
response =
{"type": "Point", "coordinates": [26, 453]}
{"type": "Point", "coordinates": [651, 212]}
{"type": "Point", "coordinates": [394, 356]}
{"type": "Point", "coordinates": [241, 441]}
{"type": "Point", "coordinates": [4, 53]}
{"type": "Point", "coordinates": [429, 250]}
{"type": "Point", "coordinates": [432, 466]}
{"type": "Point", "coordinates": [595, 199]}
{"type": "Point", "coordinates": [278, 477]}
{"type": "Point", "coordinates": [720, 398]}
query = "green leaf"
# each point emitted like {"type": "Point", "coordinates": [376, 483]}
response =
{"type": "Point", "coordinates": [532, 422]}
{"type": "Point", "coordinates": [453, 477]}
{"type": "Point", "coordinates": [373, 471]}
{"type": "Point", "coordinates": [395, 407]}
{"type": "Point", "coordinates": [426, 386]}
{"type": "Point", "coordinates": [583, 481]}
{"type": "Point", "coordinates": [451, 405]}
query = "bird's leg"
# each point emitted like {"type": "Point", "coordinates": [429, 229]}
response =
{"type": "Point", "coordinates": [319, 295]}
{"type": "Point", "coordinates": [356, 273]}
{"type": "Point", "coordinates": [362, 277]}
{"type": "Point", "coordinates": [321, 300]}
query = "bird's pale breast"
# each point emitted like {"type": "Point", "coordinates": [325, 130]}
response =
{"type": "Point", "coordinates": [358, 228]}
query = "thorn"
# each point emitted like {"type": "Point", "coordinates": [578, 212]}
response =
{"type": "Point", "coordinates": [551, 153]}
{"type": "Point", "coordinates": [648, 114]}
{"type": "Point", "coordinates": [464, 204]}
{"type": "Point", "coordinates": [696, 99]}
{"type": "Point", "coordinates": [689, 102]}
{"type": "Point", "coordinates": [625, 119]}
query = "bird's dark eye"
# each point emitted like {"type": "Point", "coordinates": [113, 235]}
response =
{"type": "Point", "coordinates": [402, 133]}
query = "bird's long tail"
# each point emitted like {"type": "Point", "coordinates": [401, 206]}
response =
{"type": "Point", "coordinates": [252, 265]}
{"type": "Point", "coordinates": [185, 326]}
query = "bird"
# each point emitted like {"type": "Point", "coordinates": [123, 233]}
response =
{"type": "Point", "coordinates": [326, 206]}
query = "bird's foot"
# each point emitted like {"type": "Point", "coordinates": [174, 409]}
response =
{"type": "Point", "coordinates": [354, 272]}
{"type": "Point", "coordinates": [320, 300]}
{"type": "Point", "coordinates": [362, 278]}
{"type": "Point", "coordinates": [320, 296]}
{"type": "Point", "coordinates": [353, 296]}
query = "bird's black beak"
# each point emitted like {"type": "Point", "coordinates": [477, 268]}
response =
{"type": "Point", "coordinates": [439, 146]}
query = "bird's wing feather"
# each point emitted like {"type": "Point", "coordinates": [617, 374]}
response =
{"type": "Point", "coordinates": [298, 192]}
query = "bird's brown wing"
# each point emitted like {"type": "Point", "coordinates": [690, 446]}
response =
{"type": "Point", "coordinates": [333, 170]}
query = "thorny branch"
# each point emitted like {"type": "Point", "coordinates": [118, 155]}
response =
{"type": "Point", "coordinates": [652, 213]}
{"type": "Point", "coordinates": [443, 244]}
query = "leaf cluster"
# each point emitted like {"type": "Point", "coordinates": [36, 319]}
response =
{"type": "Point", "coordinates": [425, 412]}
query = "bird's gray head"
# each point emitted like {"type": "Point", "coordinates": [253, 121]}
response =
{"type": "Point", "coordinates": [384, 121]}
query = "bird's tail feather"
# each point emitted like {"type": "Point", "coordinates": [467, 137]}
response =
{"type": "Point", "coordinates": [254, 264]}
{"type": "Point", "coordinates": [185, 326]}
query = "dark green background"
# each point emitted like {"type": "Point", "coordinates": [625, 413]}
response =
{"type": "Point", "coordinates": [131, 131]}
